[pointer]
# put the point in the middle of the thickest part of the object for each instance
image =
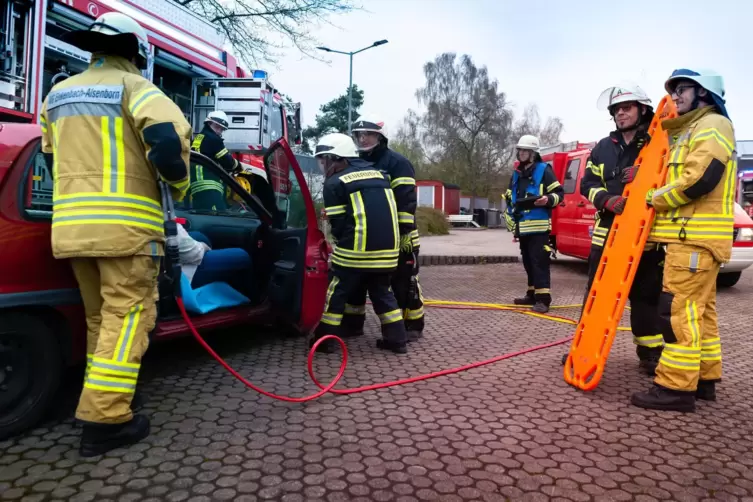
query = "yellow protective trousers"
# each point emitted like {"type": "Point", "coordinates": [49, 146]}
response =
{"type": "Point", "coordinates": [687, 309]}
{"type": "Point", "coordinates": [119, 296]}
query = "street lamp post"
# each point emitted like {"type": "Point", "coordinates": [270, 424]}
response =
{"type": "Point", "coordinates": [350, 86]}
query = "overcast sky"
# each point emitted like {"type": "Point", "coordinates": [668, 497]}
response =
{"type": "Point", "coordinates": [557, 54]}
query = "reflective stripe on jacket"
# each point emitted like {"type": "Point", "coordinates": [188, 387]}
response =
{"type": "Point", "coordinates": [535, 181]}
{"type": "Point", "coordinates": [696, 205]}
{"type": "Point", "coordinates": [108, 128]}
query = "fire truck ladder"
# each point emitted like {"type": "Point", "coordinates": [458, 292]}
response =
{"type": "Point", "coordinates": [606, 299]}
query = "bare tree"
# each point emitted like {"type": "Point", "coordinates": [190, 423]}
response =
{"type": "Point", "coordinates": [467, 123]}
{"type": "Point", "coordinates": [259, 29]}
{"type": "Point", "coordinates": [407, 140]}
{"type": "Point", "coordinates": [530, 123]}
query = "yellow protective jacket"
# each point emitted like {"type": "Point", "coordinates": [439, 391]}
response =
{"type": "Point", "coordinates": [112, 133]}
{"type": "Point", "coordinates": [697, 204]}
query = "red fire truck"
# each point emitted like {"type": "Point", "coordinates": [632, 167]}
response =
{"type": "Point", "coordinates": [187, 63]}
{"type": "Point", "coordinates": [573, 220]}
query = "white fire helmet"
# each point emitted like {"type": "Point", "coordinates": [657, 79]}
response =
{"type": "Point", "coordinates": [528, 142]}
{"type": "Point", "coordinates": [107, 31]}
{"type": "Point", "coordinates": [218, 117]}
{"type": "Point", "coordinates": [367, 123]}
{"type": "Point", "coordinates": [622, 94]}
{"type": "Point", "coordinates": [336, 145]}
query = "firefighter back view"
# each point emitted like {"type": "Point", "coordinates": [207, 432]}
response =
{"type": "Point", "coordinates": [363, 216]}
{"type": "Point", "coordinates": [207, 190]}
{"type": "Point", "coordinates": [372, 140]}
{"type": "Point", "coordinates": [534, 191]}
{"type": "Point", "coordinates": [610, 167]}
{"type": "Point", "coordinates": [695, 217]}
{"type": "Point", "coordinates": [107, 129]}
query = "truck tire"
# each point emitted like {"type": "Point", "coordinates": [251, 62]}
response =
{"type": "Point", "coordinates": [727, 280]}
{"type": "Point", "coordinates": [31, 366]}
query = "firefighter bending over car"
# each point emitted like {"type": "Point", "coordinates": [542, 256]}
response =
{"type": "Point", "coordinates": [694, 217]}
{"type": "Point", "coordinates": [363, 215]}
{"type": "Point", "coordinates": [207, 189]}
{"type": "Point", "coordinates": [610, 167]}
{"type": "Point", "coordinates": [372, 141]}
{"type": "Point", "coordinates": [534, 191]}
{"type": "Point", "coordinates": [107, 129]}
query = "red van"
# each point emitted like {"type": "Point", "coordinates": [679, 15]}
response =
{"type": "Point", "coordinates": [573, 220]}
{"type": "Point", "coordinates": [42, 324]}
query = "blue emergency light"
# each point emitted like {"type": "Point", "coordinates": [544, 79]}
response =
{"type": "Point", "coordinates": [260, 74]}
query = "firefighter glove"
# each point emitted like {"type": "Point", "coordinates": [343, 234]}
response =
{"type": "Point", "coordinates": [650, 196]}
{"type": "Point", "coordinates": [406, 243]}
{"type": "Point", "coordinates": [629, 174]}
{"type": "Point", "coordinates": [615, 204]}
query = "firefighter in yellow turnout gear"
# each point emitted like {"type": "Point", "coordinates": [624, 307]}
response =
{"type": "Point", "coordinates": [694, 216]}
{"type": "Point", "coordinates": [107, 129]}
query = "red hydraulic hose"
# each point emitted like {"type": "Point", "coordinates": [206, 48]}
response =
{"type": "Point", "coordinates": [330, 386]}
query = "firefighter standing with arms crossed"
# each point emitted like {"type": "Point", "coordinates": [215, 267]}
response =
{"type": "Point", "coordinates": [695, 217]}
{"type": "Point", "coordinates": [371, 138]}
{"type": "Point", "coordinates": [207, 189]}
{"type": "Point", "coordinates": [112, 134]}
{"type": "Point", "coordinates": [362, 213]}
{"type": "Point", "coordinates": [610, 167]}
{"type": "Point", "coordinates": [530, 219]}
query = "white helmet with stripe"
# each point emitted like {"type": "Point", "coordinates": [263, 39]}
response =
{"type": "Point", "coordinates": [367, 123]}
{"type": "Point", "coordinates": [622, 94]}
{"type": "Point", "coordinates": [113, 32]}
{"type": "Point", "coordinates": [218, 117]}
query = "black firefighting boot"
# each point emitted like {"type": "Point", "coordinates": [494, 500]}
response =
{"type": "Point", "coordinates": [663, 399]}
{"type": "Point", "coordinates": [137, 403]}
{"type": "Point", "coordinates": [528, 299]}
{"type": "Point", "coordinates": [414, 335]}
{"type": "Point", "coordinates": [397, 348]}
{"type": "Point", "coordinates": [97, 439]}
{"type": "Point", "coordinates": [706, 390]}
{"type": "Point", "coordinates": [541, 303]}
{"type": "Point", "coordinates": [648, 358]}
{"type": "Point", "coordinates": [351, 333]}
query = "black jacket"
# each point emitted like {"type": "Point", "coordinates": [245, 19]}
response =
{"type": "Point", "coordinates": [362, 212]}
{"type": "Point", "coordinates": [402, 180]}
{"type": "Point", "coordinates": [208, 143]}
{"type": "Point", "coordinates": [603, 176]}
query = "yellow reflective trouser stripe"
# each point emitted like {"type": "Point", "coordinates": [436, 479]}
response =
{"type": "Point", "coordinates": [113, 155]}
{"type": "Point", "coordinates": [199, 173]}
{"type": "Point", "coordinates": [711, 349]}
{"type": "Point", "coordinates": [142, 98]}
{"type": "Point", "coordinates": [390, 317]}
{"type": "Point", "coordinates": [681, 357]}
{"type": "Point", "coordinates": [355, 309]}
{"type": "Point", "coordinates": [649, 340]}
{"type": "Point", "coordinates": [130, 324]}
{"type": "Point", "coordinates": [350, 253]}
{"type": "Point", "coordinates": [415, 314]}
{"type": "Point", "coordinates": [332, 319]}
{"type": "Point", "coordinates": [359, 217]}
{"type": "Point", "coordinates": [393, 211]}
{"type": "Point", "coordinates": [368, 263]}
{"type": "Point", "coordinates": [541, 291]}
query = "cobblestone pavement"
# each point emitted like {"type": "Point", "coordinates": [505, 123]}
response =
{"type": "Point", "coordinates": [509, 431]}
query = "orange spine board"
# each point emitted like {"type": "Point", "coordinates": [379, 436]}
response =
{"type": "Point", "coordinates": [622, 252]}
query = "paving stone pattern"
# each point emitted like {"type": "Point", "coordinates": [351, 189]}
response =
{"type": "Point", "coordinates": [509, 431]}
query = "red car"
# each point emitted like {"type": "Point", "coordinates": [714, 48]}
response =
{"type": "Point", "coordinates": [42, 324]}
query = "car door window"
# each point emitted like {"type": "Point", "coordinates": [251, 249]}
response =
{"type": "Point", "coordinates": [289, 196]}
{"type": "Point", "coordinates": [37, 189]}
{"type": "Point", "coordinates": [571, 176]}
{"type": "Point", "coordinates": [210, 194]}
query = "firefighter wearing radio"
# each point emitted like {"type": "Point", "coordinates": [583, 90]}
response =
{"type": "Point", "coordinates": [610, 167]}
{"type": "Point", "coordinates": [694, 217]}
{"type": "Point", "coordinates": [112, 134]}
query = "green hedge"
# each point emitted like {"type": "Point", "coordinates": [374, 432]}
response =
{"type": "Point", "coordinates": [431, 221]}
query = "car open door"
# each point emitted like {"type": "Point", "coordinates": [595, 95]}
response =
{"type": "Point", "coordinates": [299, 278]}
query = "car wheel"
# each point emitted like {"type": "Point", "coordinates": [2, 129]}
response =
{"type": "Point", "coordinates": [31, 367]}
{"type": "Point", "coordinates": [728, 279]}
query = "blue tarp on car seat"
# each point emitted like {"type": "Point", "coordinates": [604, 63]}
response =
{"type": "Point", "coordinates": [210, 297]}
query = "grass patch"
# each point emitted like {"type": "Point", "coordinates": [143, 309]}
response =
{"type": "Point", "coordinates": [431, 221]}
